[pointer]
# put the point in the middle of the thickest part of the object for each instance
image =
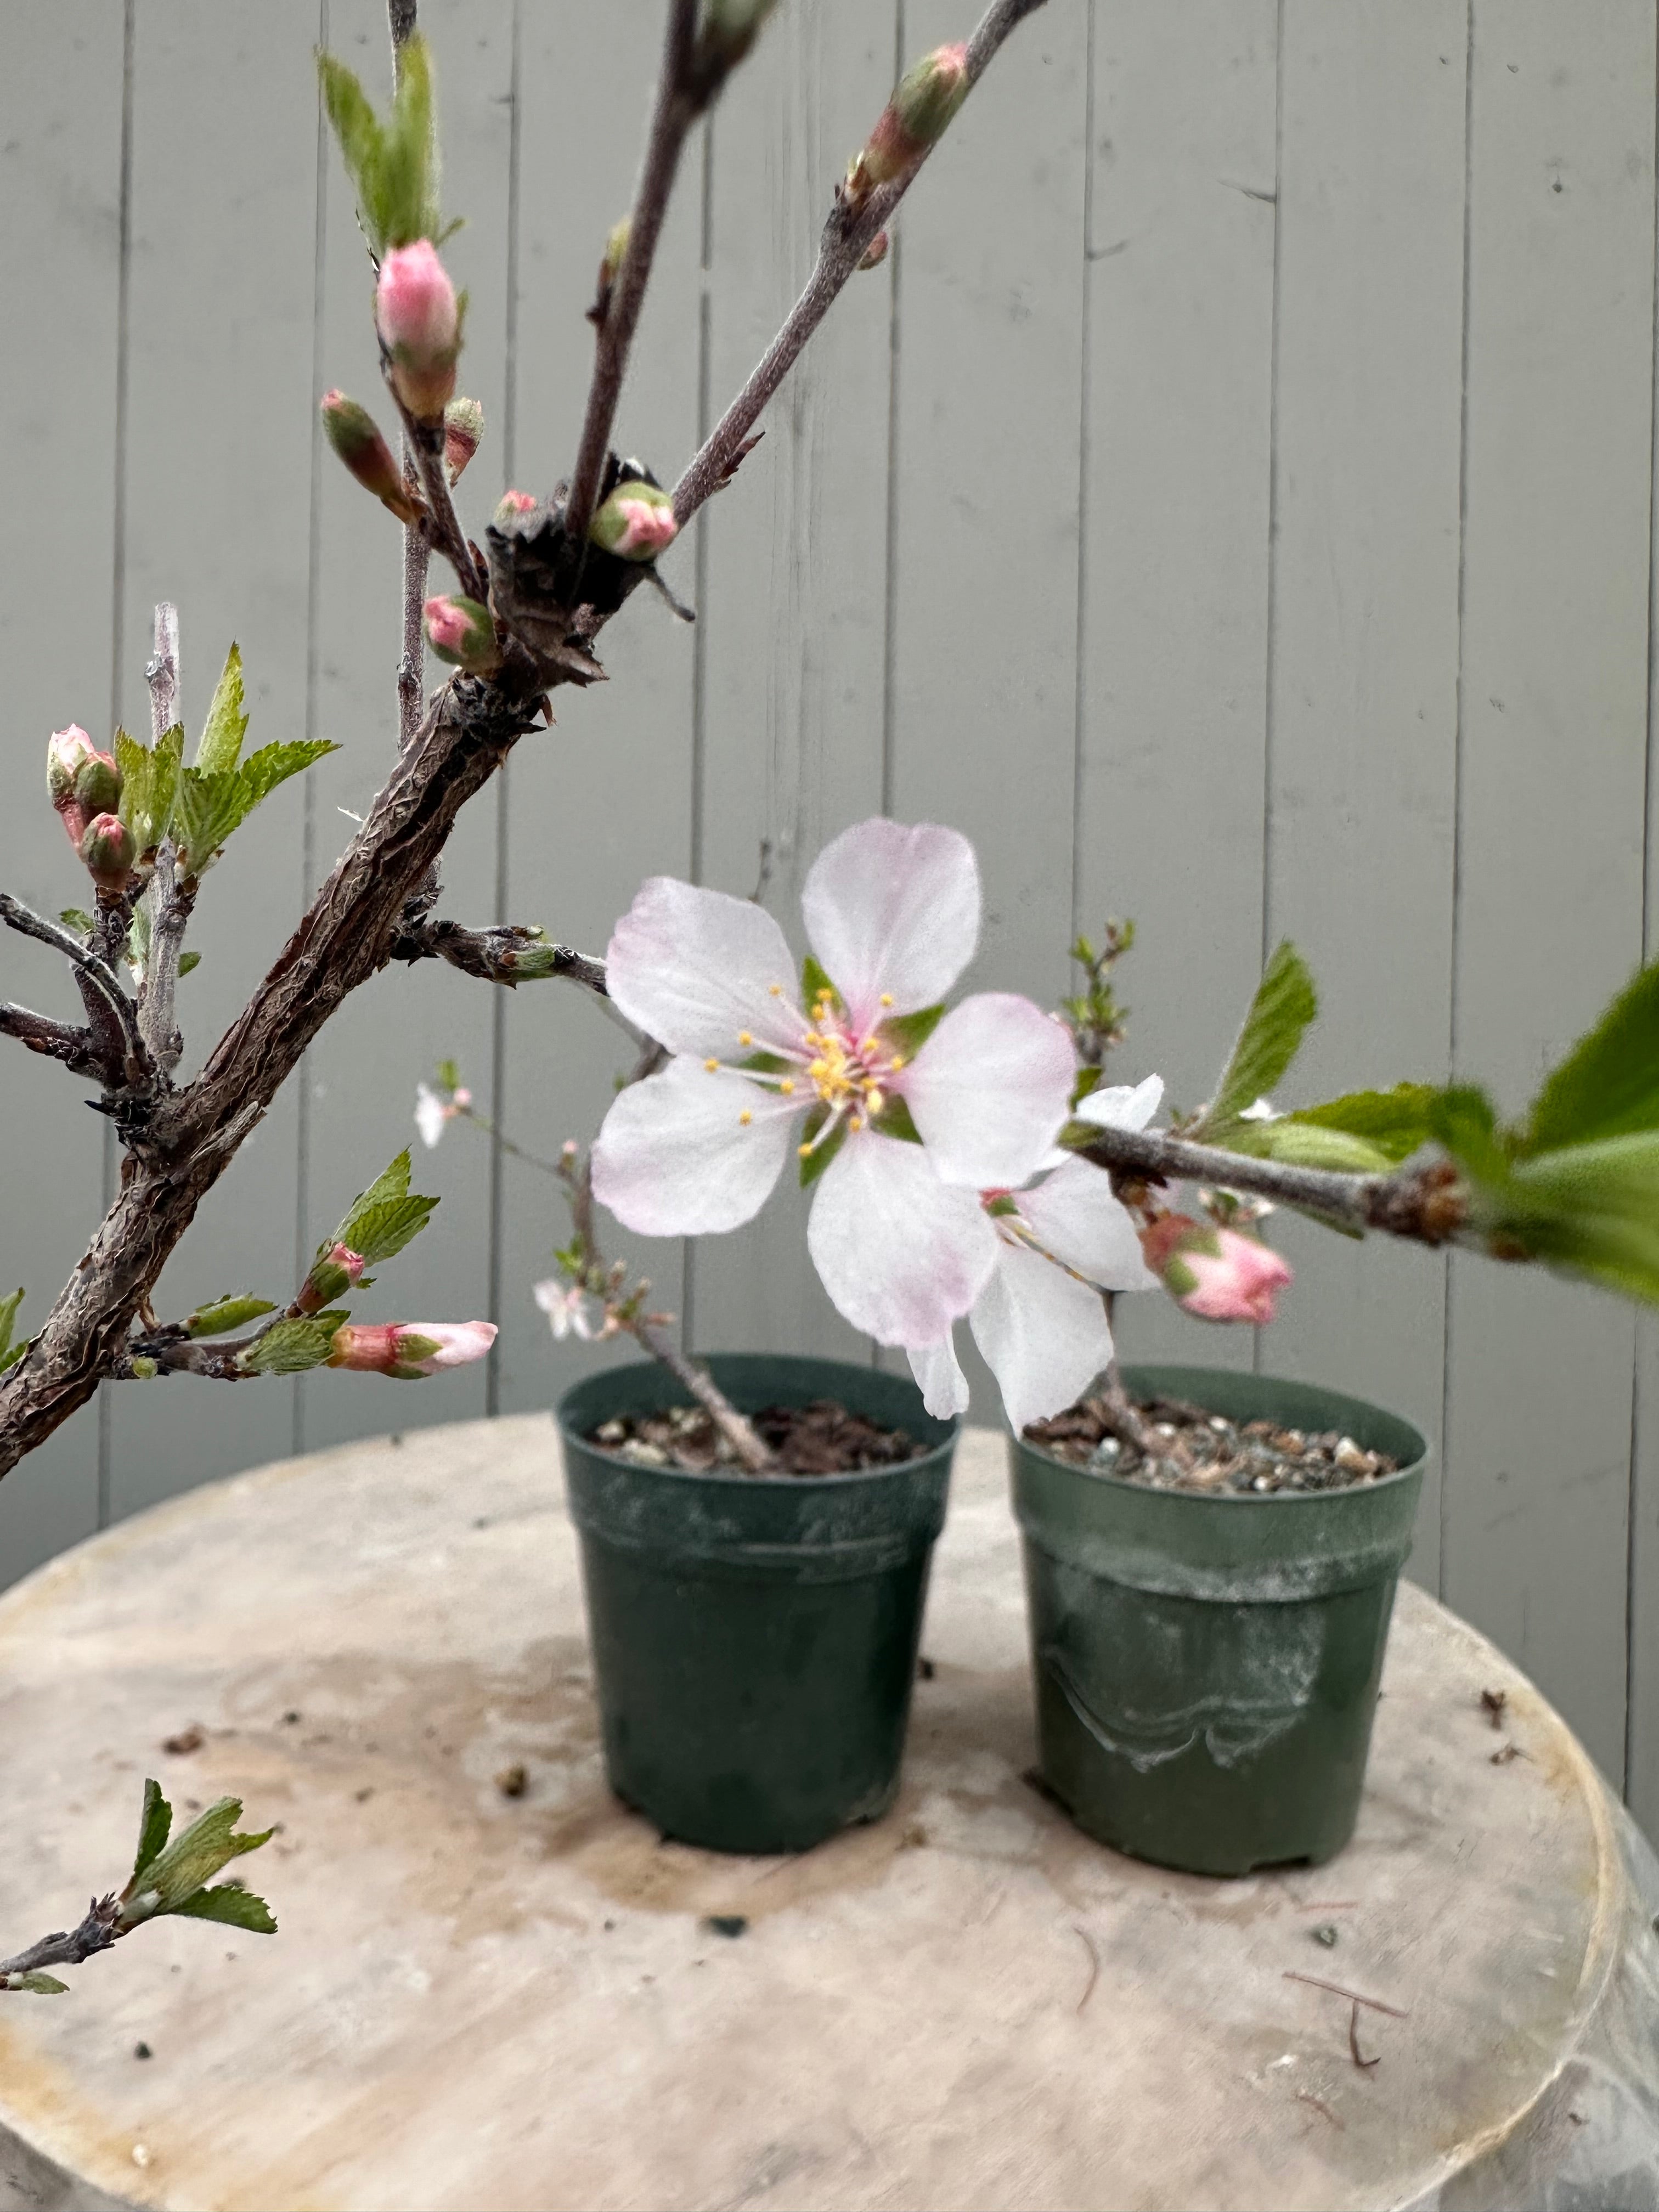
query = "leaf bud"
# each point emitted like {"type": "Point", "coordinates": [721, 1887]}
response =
{"type": "Point", "coordinates": [636, 522]}
{"type": "Point", "coordinates": [459, 630]}
{"type": "Point", "coordinates": [513, 504]}
{"type": "Point", "coordinates": [464, 424]}
{"type": "Point", "coordinates": [876, 252]}
{"type": "Point", "coordinates": [616, 249]}
{"type": "Point", "coordinates": [108, 851]}
{"type": "Point", "coordinates": [98, 786]}
{"type": "Point", "coordinates": [354, 437]}
{"type": "Point", "coordinates": [730, 28]}
{"type": "Point", "coordinates": [332, 1275]}
{"type": "Point", "coordinates": [419, 320]}
{"type": "Point", "coordinates": [924, 101]}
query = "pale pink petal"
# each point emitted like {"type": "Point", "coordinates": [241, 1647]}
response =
{"type": "Point", "coordinates": [902, 1254]}
{"type": "Point", "coordinates": [1043, 1335]}
{"type": "Point", "coordinates": [938, 1375]}
{"type": "Point", "coordinates": [1123, 1105]}
{"type": "Point", "coordinates": [676, 1158]}
{"type": "Point", "coordinates": [990, 1090]}
{"type": "Point", "coordinates": [430, 1113]}
{"type": "Point", "coordinates": [894, 911]}
{"type": "Point", "coordinates": [695, 970]}
{"type": "Point", "coordinates": [1075, 1215]}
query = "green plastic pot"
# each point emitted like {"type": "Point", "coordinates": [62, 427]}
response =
{"type": "Point", "coordinates": [755, 1637]}
{"type": "Point", "coordinates": [1206, 1666]}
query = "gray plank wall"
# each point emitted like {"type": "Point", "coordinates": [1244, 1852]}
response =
{"type": "Point", "coordinates": [1232, 505]}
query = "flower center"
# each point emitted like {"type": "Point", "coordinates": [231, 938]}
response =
{"type": "Point", "coordinates": [847, 1073]}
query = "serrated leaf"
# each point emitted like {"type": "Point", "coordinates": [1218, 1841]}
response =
{"type": "Point", "coordinates": [263, 771]}
{"type": "Point", "coordinates": [906, 1034]}
{"type": "Point", "coordinates": [392, 1183]}
{"type": "Point", "coordinates": [288, 1347]}
{"type": "Point", "coordinates": [1397, 1122]}
{"type": "Point", "coordinates": [187, 960]}
{"type": "Point", "coordinates": [232, 1905]}
{"type": "Point", "coordinates": [1608, 1084]}
{"type": "Point", "coordinates": [227, 1314]}
{"type": "Point", "coordinates": [155, 1825]}
{"type": "Point", "coordinates": [1590, 1210]}
{"type": "Point", "coordinates": [149, 784]}
{"type": "Point", "coordinates": [41, 1985]}
{"type": "Point", "coordinates": [8, 1315]}
{"type": "Point", "coordinates": [380, 1231]}
{"type": "Point", "coordinates": [208, 808]}
{"type": "Point", "coordinates": [220, 747]}
{"type": "Point", "coordinates": [1463, 1120]}
{"type": "Point", "coordinates": [1286, 1002]}
{"type": "Point", "coordinates": [196, 1855]}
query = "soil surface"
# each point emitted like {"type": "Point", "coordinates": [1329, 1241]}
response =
{"type": "Point", "coordinates": [822, 1439]}
{"type": "Point", "coordinates": [1170, 1445]}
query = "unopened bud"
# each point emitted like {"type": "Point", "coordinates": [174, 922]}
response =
{"type": "Point", "coordinates": [876, 252]}
{"type": "Point", "coordinates": [337, 1271]}
{"type": "Point", "coordinates": [464, 423]}
{"type": "Point", "coordinates": [419, 320]}
{"type": "Point", "coordinates": [1216, 1274]}
{"type": "Point", "coordinates": [459, 630]}
{"type": "Point", "coordinates": [616, 249]}
{"type": "Point", "coordinates": [68, 752]}
{"type": "Point", "coordinates": [511, 505]}
{"type": "Point", "coordinates": [98, 786]}
{"type": "Point", "coordinates": [355, 438]}
{"type": "Point", "coordinates": [636, 522]}
{"type": "Point", "coordinates": [406, 1349]}
{"type": "Point", "coordinates": [731, 27]}
{"type": "Point", "coordinates": [924, 101]}
{"type": "Point", "coordinates": [108, 851]}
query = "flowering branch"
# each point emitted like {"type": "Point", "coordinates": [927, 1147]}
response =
{"type": "Point", "coordinates": [855, 223]}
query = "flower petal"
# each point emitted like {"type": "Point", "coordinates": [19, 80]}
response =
{"type": "Point", "coordinates": [674, 1158]}
{"type": "Point", "coordinates": [893, 910]}
{"type": "Point", "coordinates": [696, 969]}
{"type": "Point", "coordinates": [990, 1089]}
{"type": "Point", "coordinates": [1122, 1106]}
{"type": "Point", "coordinates": [902, 1254]}
{"type": "Point", "coordinates": [1043, 1335]}
{"type": "Point", "coordinates": [1075, 1214]}
{"type": "Point", "coordinates": [430, 1115]}
{"type": "Point", "coordinates": [938, 1374]}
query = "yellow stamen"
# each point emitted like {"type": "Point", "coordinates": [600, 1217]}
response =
{"type": "Point", "coordinates": [712, 1066]}
{"type": "Point", "coordinates": [857, 1122]}
{"type": "Point", "coordinates": [873, 1103]}
{"type": "Point", "coordinates": [788, 1086]}
{"type": "Point", "coordinates": [776, 989]}
{"type": "Point", "coordinates": [887, 998]}
{"type": "Point", "coordinates": [868, 1046]}
{"type": "Point", "coordinates": [744, 1037]}
{"type": "Point", "coordinates": [806, 1150]}
{"type": "Point", "coordinates": [896, 1063]}
{"type": "Point", "coordinates": [745, 1117]}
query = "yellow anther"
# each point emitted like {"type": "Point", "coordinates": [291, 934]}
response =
{"type": "Point", "coordinates": [776, 989]}
{"type": "Point", "coordinates": [744, 1037]}
{"type": "Point", "coordinates": [711, 1065]}
{"type": "Point", "coordinates": [887, 998]}
{"type": "Point", "coordinates": [869, 1045]}
{"type": "Point", "coordinates": [896, 1063]}
{"type": "Point", "coordinates": [857, 1122]}
{"type": "Point", "coordinates": [874, 1101]}
{"type": "Point", "coordinates": [788, 1086]}
{"type": "Point", "coordinates": [806, 1150]}
{"type": "Point", "coordinates": [745, 1117]}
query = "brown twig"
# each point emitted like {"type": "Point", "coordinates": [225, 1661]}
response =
{"type": "Point", "coordinates": [847, 238]}
{"type": "Point", "coordinates": [66, 1947]}
{"type": "Point", "coordinates": [136, 1070]}
{"type": "Point", "coordinates": [508, 953]}
{"type": "Point", "coordinates": [1354, 1996]}
{"type": "Point", "coordinates": [57, 1040]}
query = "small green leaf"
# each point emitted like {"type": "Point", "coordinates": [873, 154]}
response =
{"type": "Point", "coordinates": [223, 1315]}
{"type": "Point", "coordinates": [906, 1034]}
{"type": "Point", "coordinates": [1463, 1121]}
{"type": "Point", "coordinates": [273, 764]}
{"type": "Point", "coordinates": [449, 1075]}
{"type": "Point", "coordinates": [232, 1905]}
{"type": "Point", "coordinates": [8, 1315]}
{"type": "Point", "coordinates": [220, 745]}
{"type": "Point", "coordinates": [187, 960]}
{"type": "Point", "coordinates": [288, 1347]}
{"type": "Point", "coordinates": [154, 1826]}
{"type": "Point", "coordinates": [357, 128]}
{"type": "Point", "coordinates": [1590, 1210]}
{"type": "Point", "coordinates": [9, 1357]}
{"type": "Point", "coordinates": [149, 784]}
{"type": "Point", "coordinates": [1285, 1003]}
{"type": "Point", "coordinates": [195, 1856]}
{"type": "Point", "coordinates": [208, 808]}
{"type": "Point", "coordinates": [1397, 1122]}
{"type": "Point", "coordinates": [38, 1985]}
{"type": "Point", "coordinates": [409, 154]}
{"type": "Point", "coordinates": [1608, 1084]}
{"type": "Point", "coordinates": [815, 984]}
{"type": "Point", "coordinates": [382, 1231]}
{"type": "Point", "coordinates": [1300, 1144]}
{"type": "Point", "coordinates": [76, 917]}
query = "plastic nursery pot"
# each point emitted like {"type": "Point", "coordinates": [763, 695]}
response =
{"type": "Point", "coordinates": [1206, 1666]}
{"type": "Point", "coordinates": [755, 1637]}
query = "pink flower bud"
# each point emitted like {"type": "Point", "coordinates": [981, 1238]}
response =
{"type": "Point", "coordinates": [636, 522]}
{"type": "Point", "coordinates": [419, 320]}
{"type": "Point", "coordinates": [68, 752]}
{"type": "Point", "coordinates": [339, 1270]}
{"type": "Point", "coordinates": [355, 437]}
{"type": "Point", "coordinates": [108, 851]}
{"type": "Point", "coordinates": [1216, 1274]}
{"type": "Point", "coordinates": [924, 101]}
{"type": "Point", "coordinates": [98, 785]}
{"type": "Point", "coordinates": [511, 505]}
{"type": "Point", "coordinates": [406, 1349]}
{"type": "Point", "coordinates": [460, 630]}
{"type": "Point", "coordinates": [464, 423]}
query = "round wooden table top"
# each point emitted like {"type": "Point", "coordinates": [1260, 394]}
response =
{"type": "Point", "coordinates": [520, 2002]}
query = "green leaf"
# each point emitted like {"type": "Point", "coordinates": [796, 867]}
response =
{"type": "Point", "coordinates": [449, 1075]}
{"type": "Point", "coordinates": [226, 1313]}
{"type": "Point", "coordinates": [154, 1827]}
{"type": "Point", "coordinates": [209, 806]}
{"type": "Point", "coordinates": [357, 129]}
{"type": "Point", "coordinates": [1285, 1003]}
{"type": "Point", "coordinates": [38, 1985]}
{"type": "Point", "coordinates": [194, 1856]}
{"type": "Point", "coordinates": [140, 930]}
{"type": "Point", "coordinates": [9, 1357]}
{"type": "Point", "coordinates": [263, 771]}
{"type": "Point", "coordinates": [288, 1347]}
{"type": "Point", "coordinates": [1299, 1143]}
{"type": "Point", "coordinates": [1463, 1121]}
{"type": "Point", "coordinates": [149, 784]}
{"type": "Point", "coordinates": [75, 917]}
{"type": "Point", "coordinates": [8, 1315]}
{"type": "Point", "coordinates": [408, 153]}
{"type": "Point", "coordinates": [232, 1905]}
{"type": "Point", "coordinates": [392, 1184]}
{"type": "Point", "coordinates": [906, 1034]}
{"type": "Point", "coordinates": [1396, 1122]}
{"type": "Point", "coordinates": [815, 984]}
{"type": "Point", "coordinates": [1590, 1210]}
{"type": "Point", "coordinates": [379, 1231]}
{"type": "Point", "coordinates": [1608, 1084]}
{"type": "Point", "coordinates": [220, 745]}
{"type": "Point", "coordinates": [187, 960]}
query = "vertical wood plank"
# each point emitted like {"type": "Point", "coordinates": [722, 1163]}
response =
{"type": "Point", "coordinates": [604, 800]}
{"type": "Point", "coordinates": [363, 1071]}
{"type": "Point", "coordinates": [1363, 745]}
{"type": "Point", "coordinates": [218, 468]}
{"type": "Point", "coordinates": [1177, 467]}
{"type": "Point", "coordinates": [60, 174]}
{"type": "Point", "coordinates": [990, 350]}
{"type": "Point", "coordinates": [1554, 709]}
{"type": "Point", "coordinates": [795, 600]}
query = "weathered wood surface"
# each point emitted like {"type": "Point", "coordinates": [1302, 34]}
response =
{"type": "Point", "coordinates": [1231, 504]}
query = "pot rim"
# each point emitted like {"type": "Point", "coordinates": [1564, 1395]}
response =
{"type": "Point", "coordinates": [1412, 1470]}
{"type": "Point", "coordinates": [736, 1478]}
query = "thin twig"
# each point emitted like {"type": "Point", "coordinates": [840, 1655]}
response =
{"type": "Point", "coordinates": [57, 1040]}
{"type": "Point", "coordinates": [171, 900]}
{"type": "Point", "coordinates": [425, 441]}
{"type": "Point", "coordinates": [482, 1121]}
{"type": "Point", "coordinates": [847, 236]}
{"type": "Point", "coordinates": [27, 923]}
{"type": "Point", "coordinates": [674, 112]}
{"type": "Point", "coordinates": [1354, 1996]}
{"type": "Point", "coordinates": [68, 1947]}
{"type": "Point", "coordinates": [411, 668]}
